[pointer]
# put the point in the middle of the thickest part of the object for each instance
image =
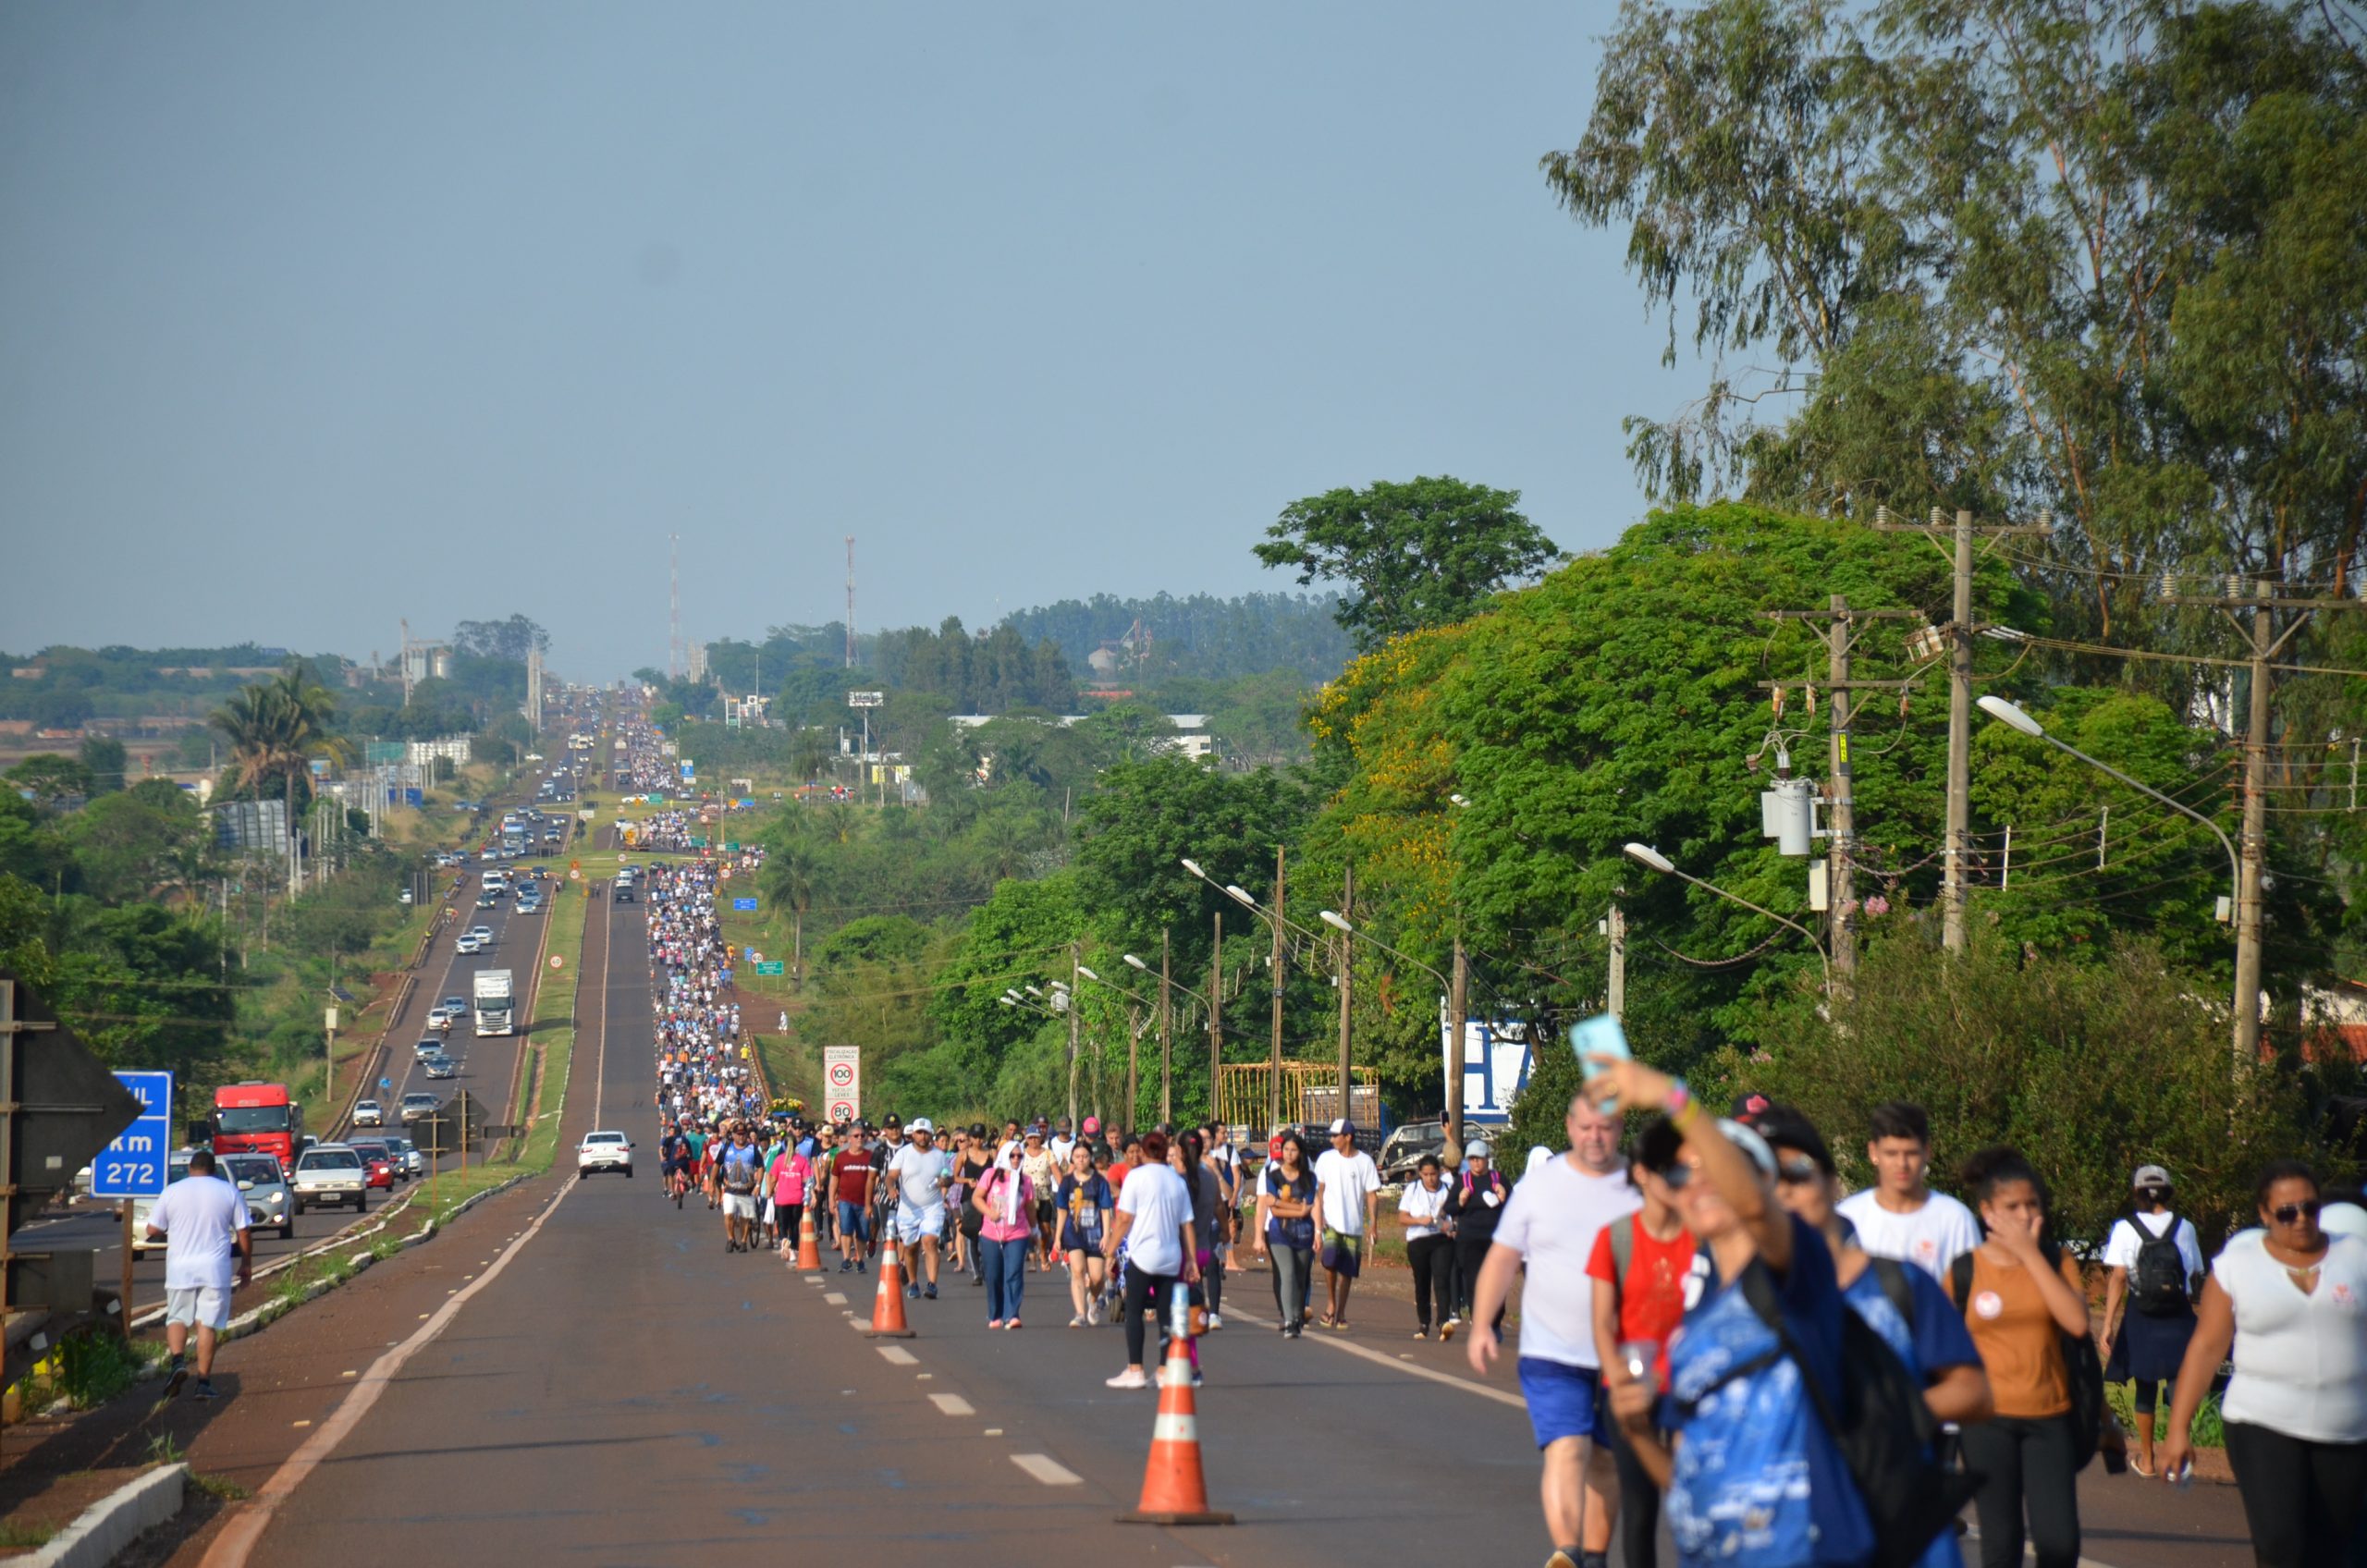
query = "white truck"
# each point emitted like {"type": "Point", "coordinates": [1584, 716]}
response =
{"type": "Point", "coordinates": [496, 1003]}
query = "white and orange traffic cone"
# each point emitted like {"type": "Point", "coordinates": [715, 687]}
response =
{"type": "Point", "coordinates": [1174, 1490]}
{"type": "Point", "coordinates": [888, 1305]}
{"type": "Point", "coordinates": [809, 1251]}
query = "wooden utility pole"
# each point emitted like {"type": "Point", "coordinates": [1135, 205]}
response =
{"type": "Point", "coordinates": [1274, 1073]}
{"type": "Point", "coordinates": [1165, 1019]}
{"type": "Point", "coordinates": [1348, 982]}
{"type": "Point", "coordinates": [1215, 1019]}
{"type": "Point", "coordinates": [1615, 928]}
{"type": "Point", "coordinates": [1458, 1011]}
{"type": "Point", "coordinates": [1960, 632]}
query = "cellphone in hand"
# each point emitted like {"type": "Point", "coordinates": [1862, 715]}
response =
{"type": "Point", "coordinates": [1599, 1036]}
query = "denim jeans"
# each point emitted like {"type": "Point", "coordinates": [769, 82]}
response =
{"type": "Point", "coordinates": [1006, 1277]}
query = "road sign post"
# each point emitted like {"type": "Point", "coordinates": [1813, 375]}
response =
{"type": "Point", "coordinates": [842, 1083]}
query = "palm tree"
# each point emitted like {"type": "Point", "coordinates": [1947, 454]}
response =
{"type": "Point", "coordinates": [274, 729]}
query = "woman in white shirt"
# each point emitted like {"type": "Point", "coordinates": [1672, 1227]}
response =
{"type": "Point", "coordinates": [2292, 1300]}
{"type": "Point", "coordinates": [1154, 1224]}
{"type": "Point", "coordinates": [1429, 1250]}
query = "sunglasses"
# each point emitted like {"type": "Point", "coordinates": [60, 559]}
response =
{"type": "Point", "coordinates": [1796, 1172]}
{"type": "Point", "coordinates": [2290, 1212]}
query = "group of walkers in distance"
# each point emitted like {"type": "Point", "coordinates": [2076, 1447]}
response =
{"type": "Point", "coordinates": [1710, 1332]}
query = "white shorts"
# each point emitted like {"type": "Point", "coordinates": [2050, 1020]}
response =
{"type": "Point", "coordinates": [208, 1307]}
{"type": "Point", "coordinates": [911, 1224]}
{"type": "Point", "coordinates": [739, 1205]}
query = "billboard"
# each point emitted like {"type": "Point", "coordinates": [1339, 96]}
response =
{"type": "Point", "coordinates": [866, 699]}
{"type": "Point", "coordinates": [1495, 1067]}
{"type": "Point", "coordinates": [842, 1083]}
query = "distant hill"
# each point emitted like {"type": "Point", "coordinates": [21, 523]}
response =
{"type": "Point", "coordinates": [1202, 637]}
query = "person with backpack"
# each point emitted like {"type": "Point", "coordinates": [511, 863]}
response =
{"type": "Point", "coordinates": [1646, 1272]}
{"type": "Point", "coordinates": [2022, 1297]}
{"type": "Point", "coordinates": [1757, 1477]}
{"type": "Point", "coordinates": [2154, 1264]}
{"type": "Point", "coordinates": [1475, 1202]}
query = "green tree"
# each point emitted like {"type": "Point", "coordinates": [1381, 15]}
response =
{"type": "Point", "coordinates": [144, 843]}
{"type": "Point", "coordinates": [51, 777]}
{"type": "Point", "coordinates": [1426, 552]}
{"type": "Point", "coordinates": [107, 761]}
{"type": "Point", "coordinates": [1149, 816]}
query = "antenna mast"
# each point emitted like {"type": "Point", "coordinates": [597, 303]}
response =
{"type": "Point", "coordinates": [850, 601]}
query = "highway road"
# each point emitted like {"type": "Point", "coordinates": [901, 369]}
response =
{"type": "Point", "coordinates": [596, 1379]}
{"type": "Point", "coordinates": [486, 1067]}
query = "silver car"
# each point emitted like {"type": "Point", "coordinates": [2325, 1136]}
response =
{"type": "Point", "coordinates": [271, 1202]}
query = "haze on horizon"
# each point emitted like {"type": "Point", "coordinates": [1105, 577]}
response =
{"type": "Point", "coordinates": [320, 317]}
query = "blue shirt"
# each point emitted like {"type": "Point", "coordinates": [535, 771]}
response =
{"type": "Point", "coordinates": [1759, 1483]}
{"type": "Point", "coordinates": [1936, 1340]}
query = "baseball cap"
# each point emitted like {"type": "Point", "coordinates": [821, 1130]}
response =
{"type": "Point", "coordinates": [1344, 1125]}
{"type": "Point", "coordinates": [1093, 1124]}
{"type": "Point", "coordinates": [1749, 1108]}
{"type": "Point", "coordinates": [923, 1124]}
{"type": "Point", "coordinates": [894, 1121]}
{"type": "Point", "coordinates": [2149, 1176]}
{"type": "Point", "coordinates": [1477, 1149]}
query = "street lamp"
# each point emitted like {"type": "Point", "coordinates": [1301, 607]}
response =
{"type": "Point", "coordinates": [1644, 855]}
{"type": "Point", "coordinates": [2247, 1008]}
{"type": "Point", "coordinates": [1340, 922]}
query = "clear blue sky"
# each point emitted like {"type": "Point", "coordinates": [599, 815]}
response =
{"type": "Point", "coordinates": [319, 315]}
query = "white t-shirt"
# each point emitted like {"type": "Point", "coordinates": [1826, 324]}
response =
{"type": "Point", "coordinates": [1422, 1207]}
{"type": "Point", "coordinates": [201, 1216]}
{"type": "Point", "coordinates": [2343, 1220]}
{"type": "Point", "coordinates": [2121, 1246]}
{"type": "Point", "coordinates": [1931, 1237]}
{"type": "Point", "coordinates": [1345, 1181]}
{"type": "Point", "coordinates": [1555, 1214]}
{"type": "Point", "coordinates": [1059, 1146]}
{"type": "Point", "coordinates": [919, 1172]}
{"type": "Point", "coordinates": [2300, 1360]}
{"type": "Point", "coordinates": [1161, 1205]}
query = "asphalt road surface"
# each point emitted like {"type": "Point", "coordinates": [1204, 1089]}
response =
{"type": "Point", "coordinates": [486, 1068]}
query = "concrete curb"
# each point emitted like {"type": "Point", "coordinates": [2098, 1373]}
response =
{"type": "Point", "coordinates": [100, 1533]}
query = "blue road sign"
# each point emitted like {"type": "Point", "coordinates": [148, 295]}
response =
{"type": "Point", "coordinates": [751, 955]}
{"type": "Point", "coordinates": [133, 1166]}
{"type": "Point", "coordinates": [744, 905]}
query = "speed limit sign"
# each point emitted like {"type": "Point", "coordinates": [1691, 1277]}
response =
{"type": "Point", "coordinates": [557, 962]}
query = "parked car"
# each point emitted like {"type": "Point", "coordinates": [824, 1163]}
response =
{"type": "Point", "coordinates": [368, 1113]}
{"type": "Point", "coordinates": [271, 1202]}
{"type": "Point", "coordinates": [1401, 1154]}
{"type": "Point", "coordinates": [604, 1151]}
{"type": "Point", "coordinates": [331, 1173]}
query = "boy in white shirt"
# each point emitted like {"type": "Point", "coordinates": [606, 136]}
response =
{"type": "Point", "coordinates": [1900, 1216]}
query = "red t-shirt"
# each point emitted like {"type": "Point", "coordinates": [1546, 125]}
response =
{"type": "Point", "coordinates": [1651, 1299]}
{"type": "Point", "coordinates": [853, 1171]}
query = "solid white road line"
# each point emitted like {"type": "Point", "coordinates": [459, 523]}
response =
{"type": "Point", "coordinates": [952, 1405]}
{"type": "Point", "coordinates": [1047, 1469]}
{"type": "Point", "coordinates": [1378, 1359]}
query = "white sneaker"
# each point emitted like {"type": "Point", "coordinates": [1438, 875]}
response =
{"type": "Point", "coordinates": [1216, 1321]}
{"type": "Point", "coordinates": [1093, 1314]}
{"type": "Point", "coordinates": [1132, 1377]}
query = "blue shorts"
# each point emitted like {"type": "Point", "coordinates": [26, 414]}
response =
{"type": "Point", "coordinates": [1562, 1398]}
{"type": "Point", "coordinates": [854, 1220]}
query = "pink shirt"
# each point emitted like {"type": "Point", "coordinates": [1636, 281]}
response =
{"type": "Point", "coordinates": [1005, 1222]}
{"type": "Point", "coordinates": [790, 1171]}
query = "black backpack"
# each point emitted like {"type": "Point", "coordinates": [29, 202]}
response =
{"type": "Point", "coordinates": [2157, 1286]}
{"type": "Point", "coordinates": [2081, 1366]}
{"type": "Point", "coordinates": [1882, 1427]}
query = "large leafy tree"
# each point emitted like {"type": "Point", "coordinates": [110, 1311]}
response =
{"type": "Point", "coordinates": [1425, 552]}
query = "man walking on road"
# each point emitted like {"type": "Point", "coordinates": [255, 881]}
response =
{"type": "Point", "coordinates": [921, 1172]}
{"type": "Point", "coordinates": [1347, 1203]}
{"type": "Point", "coordinates": [1551, 1224]}
{"type": "Point", "coordinates": [1900, 1216]}
{"type": "Point", "coordinates": [852, 1175]}
{"type": "Point", "coordinates": [736, 1171]}
{"type": "Point", "coordinates": [202, 1222]}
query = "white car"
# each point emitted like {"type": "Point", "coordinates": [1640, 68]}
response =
{"type": "Point", "coordinates": [604, 1151]}
{"type": "Point", "coordinates": [468, 942]}
{"type": "Point", "coordinates": [483, 934]}
{"type": "Point", "coordinates": [368, 1113]}
{"type": "Point", "coordinates": [330, 1173]}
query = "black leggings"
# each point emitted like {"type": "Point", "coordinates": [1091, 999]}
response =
{"type": "Point", "coordinates": [2302, 1500]}
{"type": "Point", "coordinates": [1432, 1259]}
{"type": "Point", "coordinates": [1146, 1292]}
{"type": "Point", "coordinates": [2028, 1468]}
{"type": "Point", "coordinates": [1639, 1502]}
{"type": "Point", "coordinates": [1470, 1252]}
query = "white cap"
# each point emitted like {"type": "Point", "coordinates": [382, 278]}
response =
{"type": "Point", "coordinates": [921, 1124]}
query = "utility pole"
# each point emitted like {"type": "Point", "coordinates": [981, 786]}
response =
{"type": "Point", "coordinates": [1076, 961]}
{"type": "Point", "coordinates": [1960, 632]}
{"type": "Point", "coordinates": [1166, 1017]}
{"type": "Point", "coordinates": [2263, 597]}
{"type": "Point", "coordinates": [1274, 1071]}
{"type": "Point", "coordinates": [1458, 1009]}
{"type": "Point", "coordinates": [1216, 1019]}
{"type": "Point", "coordinates": [1614, 927]}
{"type": "Point", "coordinates": [1348, 982]}
{"type": "Point", "coordinates": [850, 601]}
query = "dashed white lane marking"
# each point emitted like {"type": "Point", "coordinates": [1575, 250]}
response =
{"type": "Point", "coordinates": [952, 1405]}
{"type": "Point", "coordinates": [993, 1432]}
{"type": "Point", "coordinates": [1378, 1359]}
{"type": "Point", "coordinates": [1047, 1469]}
{"type": "Point", "coordinates": [897, 1356]}
{"type": "Point", "coordinates": [835, 1298]}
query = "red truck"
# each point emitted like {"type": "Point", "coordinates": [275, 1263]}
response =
{"type": "Point", "coordinates": [258, 1118]}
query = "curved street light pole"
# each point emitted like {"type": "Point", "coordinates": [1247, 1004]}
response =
{"type": "Point", "coordinates": [1644, 855]}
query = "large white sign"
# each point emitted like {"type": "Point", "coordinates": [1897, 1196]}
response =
{"type": "Point", "coordinates": [1495, 1066]}
{"type": "Point", "coordinates": [842, 1083]}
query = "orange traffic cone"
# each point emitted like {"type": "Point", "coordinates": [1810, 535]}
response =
{"type": "Point", "coordinates": [809, 1251]}
{"type": "Point", "coordinates": [887, 1304]}
{"type": "Point", "coordinates": [1175, 1491]}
